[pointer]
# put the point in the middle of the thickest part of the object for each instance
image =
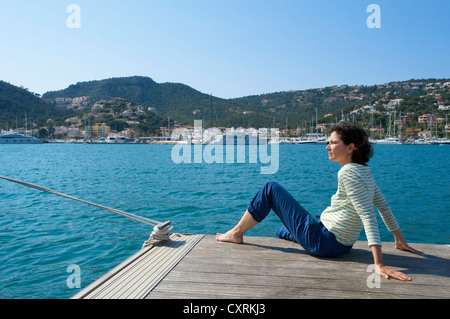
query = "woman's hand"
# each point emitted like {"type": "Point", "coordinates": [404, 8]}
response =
{"type": "Point", "coordinates": [384, 271]}
{"type": "Point", "coordinates": [387, 273]}
{"type": "Point", "coordinates": [381, 269]}
{"type": "Point", "coordinates": [400, 243]}
{"type": "Point", "coordinates": [404, 246]}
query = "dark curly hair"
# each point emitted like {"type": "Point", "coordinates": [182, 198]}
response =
{"type": "Point", "coordinates": [353, 133]}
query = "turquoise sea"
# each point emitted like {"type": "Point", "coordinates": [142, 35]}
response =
{"type": "Point", "coordinates": [42, 234]}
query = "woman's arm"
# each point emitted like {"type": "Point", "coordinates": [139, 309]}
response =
{"type": "Point", "coordinates": [381, 269]}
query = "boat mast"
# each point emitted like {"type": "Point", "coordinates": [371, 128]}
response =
{"type": "Point", "coordinates": [379, 132]}
{"type": "Point", "coordinates": [395, 113]}
{"type": "Point", "coordinates": [317, 124]}
{"type": "Point", "coordinates": [446, 127]}
{"type": "Point", "coordinates": [389, 125]}
{"type": "Point", "coordinates": [371, 126]}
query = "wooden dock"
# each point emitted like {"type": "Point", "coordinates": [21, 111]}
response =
{"type": "Point", "coordinates": [197, 266]}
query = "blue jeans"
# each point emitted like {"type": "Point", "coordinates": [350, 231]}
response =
{"type": "Point", "coordinates": [299, 225]}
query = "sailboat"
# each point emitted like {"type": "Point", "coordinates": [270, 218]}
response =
{"type": "Point", "coordinates": [445, 140]}
{"type": "Point", "coordinates": [390, 139]}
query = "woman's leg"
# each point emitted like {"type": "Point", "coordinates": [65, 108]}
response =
{"type": "Point", "coordinates": [295, 218]}
{"type": "Point", "coordinates": [236, 235]}
{"type": "Point", "coordinates": [284, 233]}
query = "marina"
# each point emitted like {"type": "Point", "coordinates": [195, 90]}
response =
{"type": "Point", "coordinates": [13, 137]}
{"type": "Point", "coordinates": [199, 267]}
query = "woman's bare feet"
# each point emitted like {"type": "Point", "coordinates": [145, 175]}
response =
{"type": "Point", "coordinates": [230, 237]}
{"type": "Point", "coordinates": [236, 234]}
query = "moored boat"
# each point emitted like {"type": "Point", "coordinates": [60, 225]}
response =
{"type": "Point", "coordinates": [16, 138]}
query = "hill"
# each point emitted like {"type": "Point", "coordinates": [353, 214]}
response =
{"type": "Point", "coordinates": [152, 104]}
{"type": "Point", "coordinates": [15, 102]}
{"type": "Point", "coordinates": [174, 100]}
{"type": "Point", "coordinates": [183, 104]}
{"type": "Point", "coordinates": [418, 97]}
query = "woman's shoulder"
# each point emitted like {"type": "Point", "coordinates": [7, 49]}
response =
{"type": "Point", "coordinates": [354, 169]}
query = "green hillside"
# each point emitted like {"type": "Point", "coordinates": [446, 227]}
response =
{"type": "Point", "coordinates": [15, 102]}
{"type": "Point", "coordinates": [174, 100]}
{"type": "Point", "coordinates": [182, 104]}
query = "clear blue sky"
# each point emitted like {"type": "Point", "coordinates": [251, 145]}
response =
{"type": "Point", "coordinates": [227, 48]}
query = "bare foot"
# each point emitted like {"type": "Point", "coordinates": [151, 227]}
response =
{"type": "Point", "coordinates": [230, 237]}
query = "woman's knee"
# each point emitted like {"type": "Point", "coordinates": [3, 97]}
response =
{"type": "Point", "coordinates": [275, 189]}
{"type": "Point", "coordinates": [270, 185]}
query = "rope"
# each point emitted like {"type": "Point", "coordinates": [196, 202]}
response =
{"type": "Point", "coordinates": [161, 231]}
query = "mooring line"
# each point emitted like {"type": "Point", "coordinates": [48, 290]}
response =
{"type": "Point", "coordinates": [112, 210]}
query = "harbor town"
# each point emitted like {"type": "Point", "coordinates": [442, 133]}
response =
{"type": "Point", "coordinates": [409, 112]}
{"type": "Point", "coordinates": [100, 133]}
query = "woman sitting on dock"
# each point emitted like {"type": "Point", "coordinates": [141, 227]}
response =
{"type": "Point", "coordinates": [341, 223]}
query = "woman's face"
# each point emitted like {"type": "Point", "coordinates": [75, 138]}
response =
{"type": "Point", "coordinates": [338, 151]}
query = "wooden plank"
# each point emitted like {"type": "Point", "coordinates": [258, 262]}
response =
{"type": "Point", "coordinates": [274, 268]}
{"type": "Point", "coordinates": [135, 277]}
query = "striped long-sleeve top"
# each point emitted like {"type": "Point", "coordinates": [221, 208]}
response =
{"type": "Point", "coordinates": [352, 207]}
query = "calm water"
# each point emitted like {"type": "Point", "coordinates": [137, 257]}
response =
{"type": "Point", "coordinates": [42, 234]}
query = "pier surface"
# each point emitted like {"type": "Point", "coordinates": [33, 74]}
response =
{"type": "Point", "coordinates": [197, 266]}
